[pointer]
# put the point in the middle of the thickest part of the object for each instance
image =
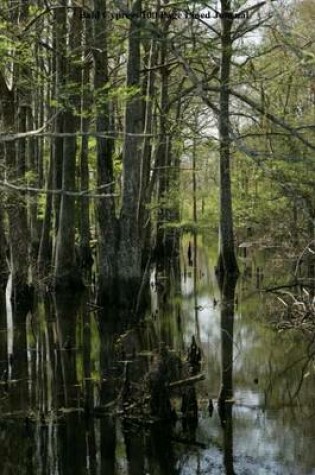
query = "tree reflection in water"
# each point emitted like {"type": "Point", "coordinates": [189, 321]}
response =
{"type": "Point", "coordinates": [225, 400]}
{"type": "Point", "coordinates": [62, 375]}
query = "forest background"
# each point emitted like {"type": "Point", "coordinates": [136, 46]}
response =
{"type": "Point", "coordinates": [120, 134]}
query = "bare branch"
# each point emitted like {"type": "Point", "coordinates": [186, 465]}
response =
{"type": "Point", "coordinates": [7, 137]}
{"type": "Point", "coordinates": [80, 194]}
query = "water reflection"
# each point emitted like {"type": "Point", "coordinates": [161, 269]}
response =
{"type": "Point", "coordinates": [225, 400]}
{"type": "Point", "coordinates": [64, 365]}
{"type": "Point", "coordinates": [67, 348]}
{"type": "Point", "coordinates": [160, 452]}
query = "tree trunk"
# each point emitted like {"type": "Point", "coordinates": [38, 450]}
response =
{"type": "Point", "coordinates": [3, 246]}
{"type": "Point", "coordinates": [51, 214]}
{"type": "Point", "coordinates": [227, 260]}
{"type": "Point", "coordinates": [162, 162]}
{"type": "Point", "coordinates": [172, 234]}
{"type": "Point", "coordinates": [45, 246]}
{"type": "Point", "coordinates": [105, 208]}
{"type": "Point", "coordinates": [167, 242]}
{"type": "Point", "coordinates": [33, 203]}
{"type": "Point", "coordinates": [85, 251]}
{"type": "Point", "coordinates": [58, 70]}
{"type": "Point", "coordinates": [129, 268]}
{"type": "Point", "coordinates": [15, 203]}
{"type": "Point", "coordinates": [146, 155]}
{"type": "Point", "coordinates": [66, 267]}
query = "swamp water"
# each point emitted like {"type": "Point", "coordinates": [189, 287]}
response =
{"type": "Point", "coordinates": [62, 364]}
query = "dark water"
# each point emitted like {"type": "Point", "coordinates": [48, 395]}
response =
{"type": "Point", "coordinates": [62, 364]}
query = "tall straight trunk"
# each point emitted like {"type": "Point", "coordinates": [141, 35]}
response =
{"type": "Point", "coordinates": [45, 246]}
{"type": "Point", "coordinates": [33, 203]}
{"type": "Point", "coordinates": [194, 181]}
{"type": "Point", "coordinates": [20, 175]}
{"type": "Point", "coordinates": [172, 235]}
{"type": "Point", "coordinates": [227, 260]}
{"type": "Point", "coordinates": [85, 251]}
{"type": "Point", "coordinates": [43, 96]}
{"type": "Point", "coordinates": [194, 157]}
{"type": "Point", "coordinates": [66, 266]}
{"type": "Point", "coordinates": [129, 268]}
{"type": "Point", "coordinates": [44, 259]}
{"type": "Point", "coordinates": [163, 159]}
{"type": "Point", "coordinates": [4, 271]}
{"type": "Point", "coordinates": [146, 155]}
{"type": "Point", "coordinates": [86, 102]}
{"type": "Point", "coordinates": [57, 171]}
{"type": "Point", "coordinates": [105, 208]}
{"type": "Point", "coordinates": [66, 269]}
{"type": "Point", "coordinates": [15, 202]}
{"type": "Point", "coordinates": [167, 160]}
{"type": "Point", "coordinates": [18, 233]}
{"type": "Point", "coordinates": [59, 73]}
{"type": "Point", "coordinates": [3, 246]}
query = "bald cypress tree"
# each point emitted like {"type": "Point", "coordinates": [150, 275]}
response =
{"type": "Point", "coordinates": [66, 266]}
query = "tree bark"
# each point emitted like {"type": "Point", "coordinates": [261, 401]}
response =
{"type": "Point", "coordinates": [105, 208]}
{"type": "Point", "coordinates": [227, 261]}
{"type": "Point", "coordinates": [32, 163]}
{"type": "Point", "coordinates": [129, 268]}
{"type": "Point", "coordinates": [53, 181]}
{"type": "Point", "coordinates": [85, 235]}
{"type": "Point", "coordinates": [4, 271]}
{"type": "Point", "coordinates": [66, 266]}
{"type": "Point", "coordinates": [15, 203]}
{"type": "Point", "coordinates": [59, 71]}
{"type": "Point", "coordinates": [145, 190]}
{"type": "Point", "coordinates": [45, 246]}
{"type": "Point", "coordinates": [163, 157]}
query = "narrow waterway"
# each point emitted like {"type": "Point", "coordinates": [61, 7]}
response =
{"type": "Point", "coordinates": [62, 363]}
